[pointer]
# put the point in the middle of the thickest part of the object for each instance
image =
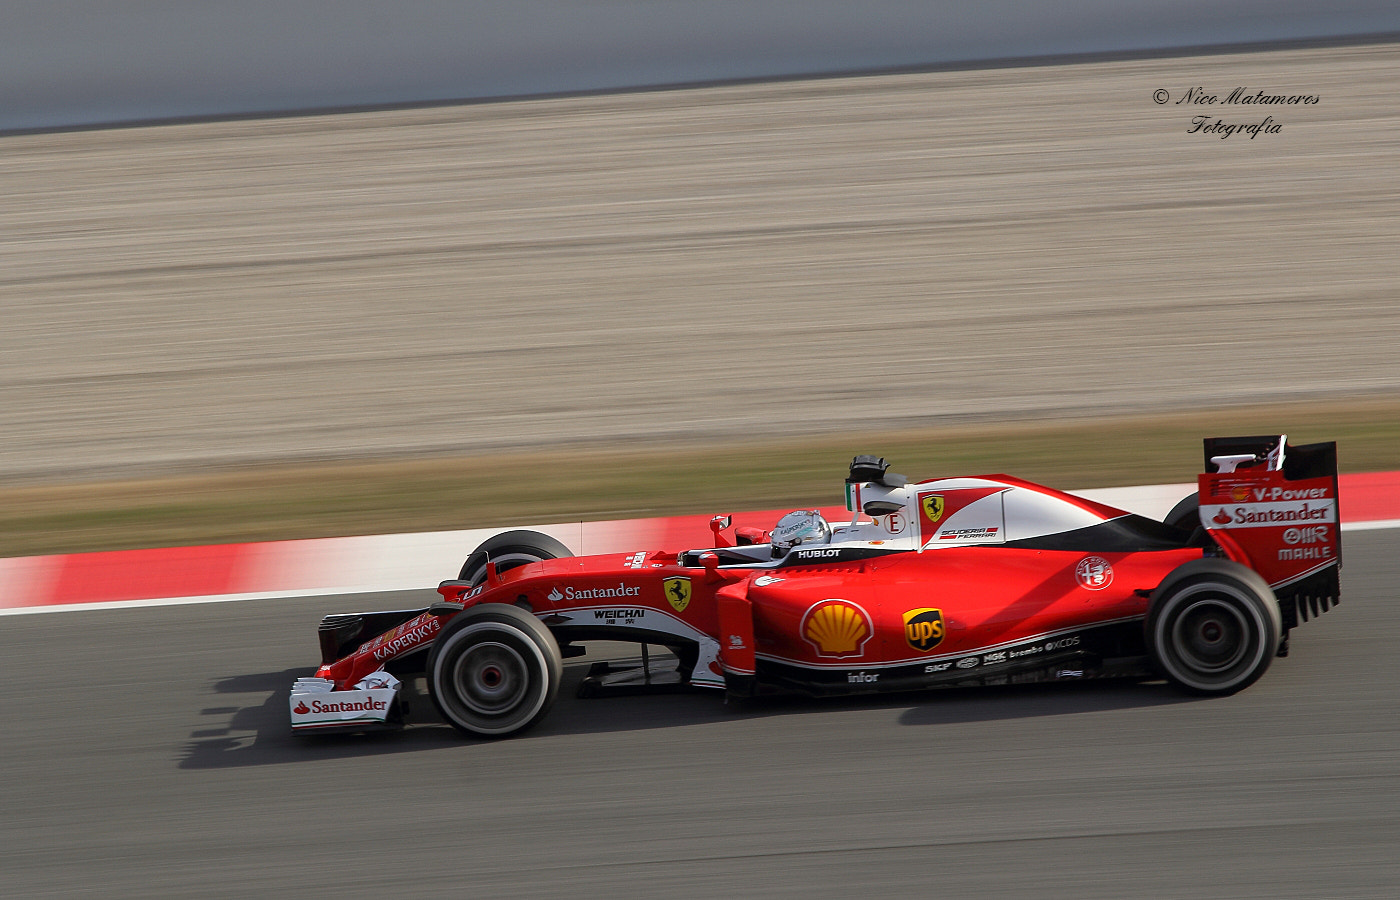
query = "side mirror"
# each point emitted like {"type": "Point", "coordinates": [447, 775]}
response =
{"type": "Point", "coordinates": [717, 525]}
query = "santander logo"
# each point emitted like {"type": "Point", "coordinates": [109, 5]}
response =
{"type": "Point", "coordinates": [302, 709]}
{"type": "Point", "coordinates": [1222, 518]}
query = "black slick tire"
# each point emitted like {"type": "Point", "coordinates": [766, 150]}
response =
{"type": "Point", "coordinates": [1186, 515]}
{"type": "Point", "coordinates": [1213, 627]}
{"type": "Point", "coordinates": [508, 550]}
{"type": "Point", "coordinates": [494, 671]}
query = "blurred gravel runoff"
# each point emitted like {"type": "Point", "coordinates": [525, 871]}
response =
{"type": "Point", "coordinates": [780, 258]}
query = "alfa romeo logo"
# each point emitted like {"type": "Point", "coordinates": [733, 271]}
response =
{"type": "Point", "coordinates": [1094, 573]}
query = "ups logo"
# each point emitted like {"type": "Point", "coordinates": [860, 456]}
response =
{"type": "Point", "coordinates": [923, 628]}
{"type": "Point", "coordinates": [933, 507]}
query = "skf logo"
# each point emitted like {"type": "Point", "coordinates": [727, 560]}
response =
{"type": "Point", "coordinates": [923, 628]}
{"type": "Point", "coordinates": [677, 592]}
{"type": "Point", "coordinates": [933, 507]}
{"type": "Point", "coordinates": [836, 628]}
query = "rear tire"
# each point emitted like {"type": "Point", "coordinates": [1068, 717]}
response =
{"type": "Point", "coordinates": [1186, 515]}
{"type": "Point", "coordinates": [494, 671]}
{"type": "Point", "coordinates": [508, 550]}
{"type": "Point", "coordinates": [1214, 631]}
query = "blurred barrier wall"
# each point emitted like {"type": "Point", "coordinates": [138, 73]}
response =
{"type": "Point", "coordinates": [400, 562]}
{"type": "Point", "coordinates": [68, 62]}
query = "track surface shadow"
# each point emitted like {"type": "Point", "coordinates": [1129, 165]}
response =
{"type": "Point", "coordinates": [255, 735]}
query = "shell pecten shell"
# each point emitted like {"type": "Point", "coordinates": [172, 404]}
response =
{"type": "Point", "coordinates": [836, 628]}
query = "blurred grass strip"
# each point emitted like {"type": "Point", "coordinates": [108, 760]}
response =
{"type": "Point", "coordinates": [282, 502]}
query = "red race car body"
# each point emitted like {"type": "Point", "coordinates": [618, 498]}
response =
{"type": "Point", "coordinates": [949, 582]}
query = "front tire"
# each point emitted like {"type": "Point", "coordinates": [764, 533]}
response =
{"type": "Point", "coordinates": [1214, 631]}
{"type": "Point", "coordinates": [494, 671]}
{"type": "Point", "coordinates": [509, 550]}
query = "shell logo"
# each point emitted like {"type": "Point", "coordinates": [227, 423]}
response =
{"type": "Point", "coordinates": [836, 628]}
{"type": "Point", "coordinates": [1239, 493]}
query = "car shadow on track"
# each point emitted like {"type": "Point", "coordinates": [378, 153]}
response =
{"type": "Point", "coordinates": [259, 733]}
{"type": "Point", "coordinates": [987, 704]}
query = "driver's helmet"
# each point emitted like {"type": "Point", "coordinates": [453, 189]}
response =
{"type": "Point", "coordinates": [802, 526]}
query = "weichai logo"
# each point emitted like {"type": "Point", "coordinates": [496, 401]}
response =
{"type": "Point", "coordinates": [924, 628]}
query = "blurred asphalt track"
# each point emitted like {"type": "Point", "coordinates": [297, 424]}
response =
{"type": "Point", "coordinates": [147, 754]}
{"type": "Point", "coordinates": [831, 254]}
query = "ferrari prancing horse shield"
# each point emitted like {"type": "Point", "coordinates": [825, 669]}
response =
{"type": "Point", "coordinates": [677, 593]}
{"type": "Point", "coordinates": [933, 507]}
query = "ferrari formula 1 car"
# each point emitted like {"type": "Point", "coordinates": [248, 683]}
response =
{"type": "Point", "coordinates": [942, 583]}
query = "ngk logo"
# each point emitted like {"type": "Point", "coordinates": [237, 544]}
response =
{"type": "Point", "coordinates": [1315, 534]}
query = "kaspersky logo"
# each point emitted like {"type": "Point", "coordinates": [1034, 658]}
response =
{"type": "Point", "coordinates": [677, 591]}
{"type": "Point", "coordinates": [924, 628]}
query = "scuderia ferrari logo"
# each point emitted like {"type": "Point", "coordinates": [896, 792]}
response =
{"type": "Point", "coordinates": [933, 507]}
{"type": "Point", "coordinates": [677, 592]}
{"type": "Point", "coordinates": [923, 628]}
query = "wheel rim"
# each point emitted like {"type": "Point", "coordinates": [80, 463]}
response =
{"type": "Point", "coordinates": [1211, 636]}
{"type": "Point", "coordinates": [491, 678]}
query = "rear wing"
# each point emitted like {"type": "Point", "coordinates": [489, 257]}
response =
{"type": "Point", "coordinates": [1273, 507]}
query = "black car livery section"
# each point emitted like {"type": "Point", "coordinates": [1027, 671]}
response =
{"type": "Point", "coordinates": [1126, 534]}
{"type": "Point", "coordinates": [1106, 650]}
